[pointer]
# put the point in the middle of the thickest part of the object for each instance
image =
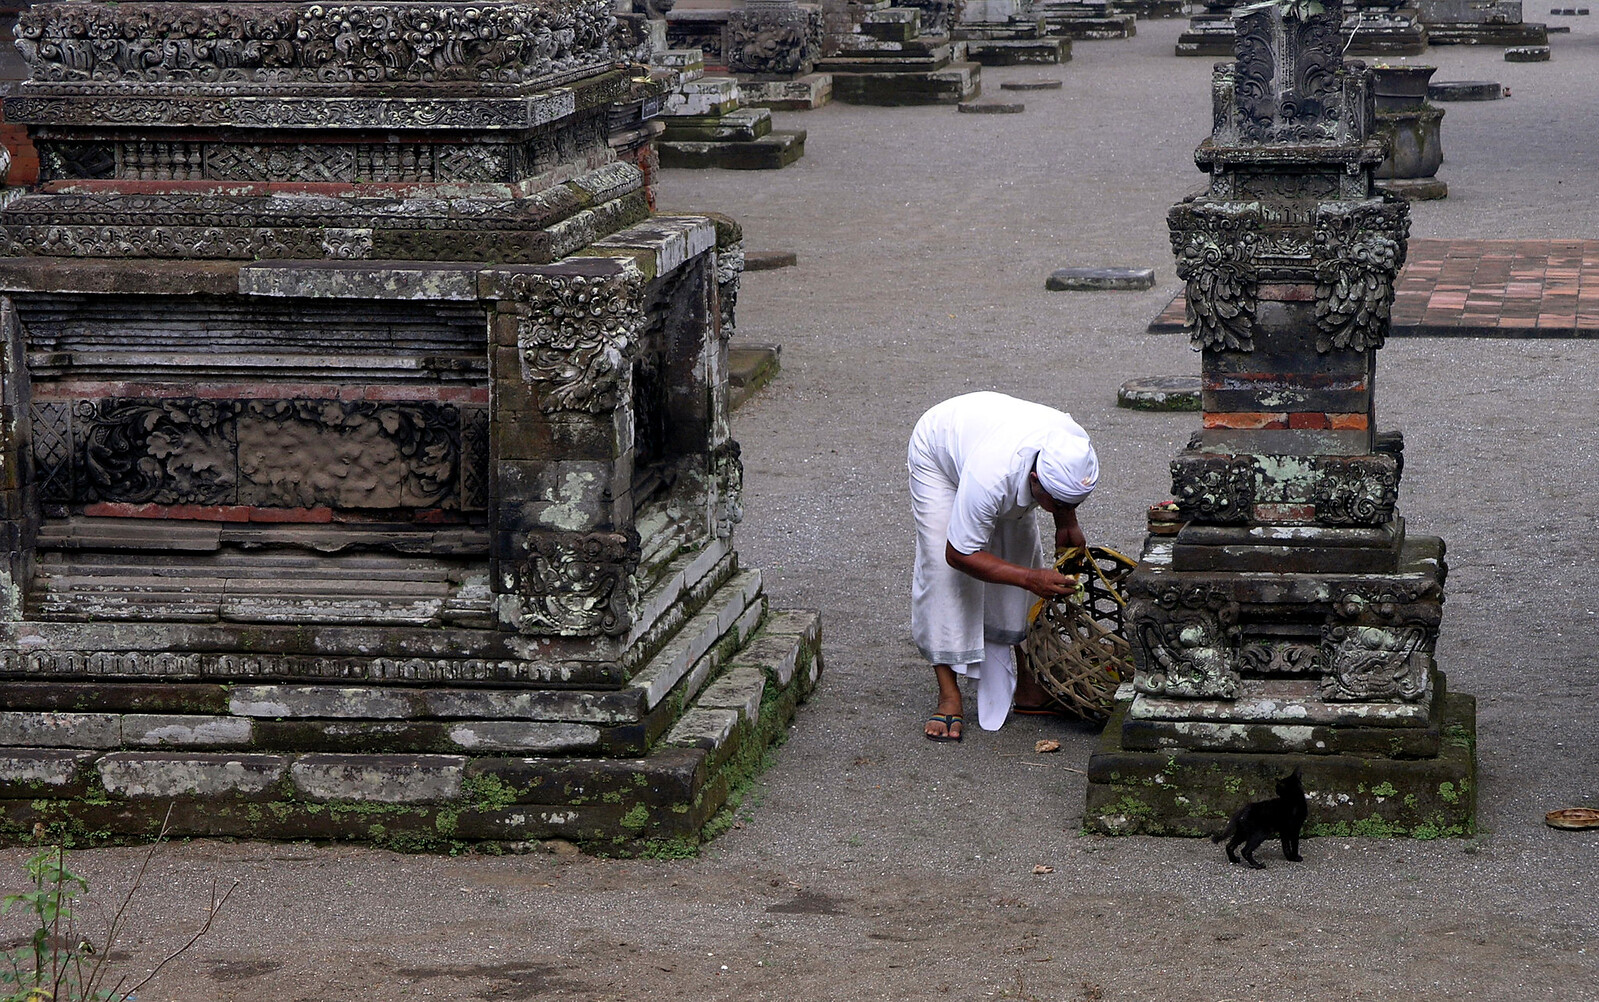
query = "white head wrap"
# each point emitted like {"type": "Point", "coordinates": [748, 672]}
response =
{"type": "Point", "coordinates": [1067, 467]}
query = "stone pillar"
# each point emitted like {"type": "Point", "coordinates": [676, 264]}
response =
{"type": "Point", "coordinates": [1292, 620]}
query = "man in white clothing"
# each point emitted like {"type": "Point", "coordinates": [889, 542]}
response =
{"type": "Point", "coordinates": [979, 465]}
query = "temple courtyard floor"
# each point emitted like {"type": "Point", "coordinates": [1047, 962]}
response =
{"type": "Point", "coordinates": [868, 863]}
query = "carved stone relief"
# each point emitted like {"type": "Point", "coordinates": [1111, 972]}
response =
{"type": "Point", "coordinates": [1354, 492]}
{"type": "Point", "coordinates": [1360, 249]}
{"type": "Point", "coordinates": [275, 43]}
{"type": "Point", "coordinates": [1215, 248]}
{"type": "Point", "coordinates": [578, 337]}
{"type": "Point", "coordinates": [1374, 663]}
{"type": "Point", "coordinates": [1280, 657]}
{"type": "Point", "coordinates": [575, 585]}
{"type": "Point", "coordinates": [1185, 643]}
{"type": "Point", "coordinates": [267, 453]}
{"type": "Point", "coordinates": [768, 40]}
{"type": "Point", "coordinates": [1214, 488]}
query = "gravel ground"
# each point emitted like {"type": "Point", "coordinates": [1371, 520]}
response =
{"type": "Point", "coordinates": [870, 864]}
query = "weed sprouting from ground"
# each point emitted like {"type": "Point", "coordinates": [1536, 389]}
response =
{"type": "Point", "coordinates": [60, 963]}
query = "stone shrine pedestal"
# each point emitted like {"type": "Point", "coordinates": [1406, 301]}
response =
{"type": "Point", "coordinates": [1291, 621]}
{"type": "Point", "coordinates": [367, 463]}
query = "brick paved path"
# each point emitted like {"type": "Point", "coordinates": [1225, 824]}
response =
{"type": "Point", "coordinates": [1485, 288]}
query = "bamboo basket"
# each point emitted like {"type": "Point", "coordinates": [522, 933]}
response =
{"type": "Point", "coordinates": [1076, 644]}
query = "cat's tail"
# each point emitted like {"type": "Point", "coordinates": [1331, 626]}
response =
{"type": "Point", "coordinates": [1227, 832]}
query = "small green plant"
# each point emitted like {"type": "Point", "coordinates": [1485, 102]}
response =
{"type": "Point", "coordinates": [59, 962]}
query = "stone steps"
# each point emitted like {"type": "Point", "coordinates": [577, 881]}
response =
{"type": "Point", "coordinates": [425, 801]}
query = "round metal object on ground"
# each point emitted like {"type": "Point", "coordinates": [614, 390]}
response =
{"type": "Point", "coordinates": [1044, 84]}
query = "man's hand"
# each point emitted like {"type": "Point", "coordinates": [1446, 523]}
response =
{"type": "Point", "coordinates": [1046, 582]}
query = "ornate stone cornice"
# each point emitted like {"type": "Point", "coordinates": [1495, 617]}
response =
{"type": "Point", "coordinates": [271, 44]}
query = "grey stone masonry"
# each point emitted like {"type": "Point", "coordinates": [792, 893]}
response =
{"type": "Point", "coordinates": [388, 779]}
{"type": "Point", "coordinates": [168, 774]}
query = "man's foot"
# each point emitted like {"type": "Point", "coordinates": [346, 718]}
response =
{"type": "Point", "coordinates": [944, 727]}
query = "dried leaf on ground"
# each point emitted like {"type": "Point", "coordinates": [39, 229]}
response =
{"type": "Point", "coordinates": [1041, 869]}
{"type": "Point", "coordinates": [1046, 745]}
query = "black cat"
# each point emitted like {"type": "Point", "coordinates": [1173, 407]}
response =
{"type": "Point", "coordinates": [1283, 816]}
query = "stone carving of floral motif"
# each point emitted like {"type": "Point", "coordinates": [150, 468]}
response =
{"type": "Point", "coordinates": [156, 451]}
{"type": "Point", "coordinates": [268, 453]}
{"type": "Point", "coordinates": [576, 586]}
{"type": "Point", "coordinates": [1185, 643]}
{"type": "Point", "coordinates": [1280, 658]}
{"type": "Point", "coordinates": [1360, 249]}
{"type": "Point", "coordinates": [1355, 492]}
{"type": "Point", "coordinates": [1307, 107]}
{"type": "Point", "coordinates": [1215, 248]}
{"type": "Point", "coordinates": [578, 337]}
{"type": "Point", "coordinates": [277, 43]}
{"type": "Point", "coordinates": [1374, 664]}
{"type": "Point", "coordinates": [1214, 488]}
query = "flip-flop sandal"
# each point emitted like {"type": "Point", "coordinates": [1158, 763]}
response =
{"type": "Point", "coordinates": [1041, 710]}
{"type": "Point", "coordinates": [949, 720]}
{"type": "Point", "coordinates": [1572, 818]}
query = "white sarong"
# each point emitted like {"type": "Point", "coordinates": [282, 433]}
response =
{"type": "Point", "coordinates": [957, 620]}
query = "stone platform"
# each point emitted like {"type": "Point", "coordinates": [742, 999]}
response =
{"type": "Point", "coordinates": [1182, 792]}
{"type": "Point", "coordinates": [1484, 288]}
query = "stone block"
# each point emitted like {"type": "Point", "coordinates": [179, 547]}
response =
{"type": "Point", "coordinates": [991, 107]}
{"type": "Point", "coordinates": [1093, 279]}
{"type": "Point", "coordinates": [704, 728]}
{"type": "Point", "coordinates": [60, 730]}
{"type": "Point", "coordinates": [25, 771]}
{"type": "Point", "coordinates": [774, 151]}
{"type": "Point", "coordinates": [572, 706]}
{"type": "Point", "coordinates": [1025, 85]}
{"type": "Point", "coordinates": [445, 281]}
{"type": "Point", "coordinates": [1160, 393]}
{"type": "Point", "coordinates": [1469, 11]}
{"type": "Point", "coordinates": [190, 774]}
{"type": "Point", "coordinates": [324, 701]}
{"type": "Point", "coordinates": [387, 779]}
{"type": "Point", "coordinates": [804, 93]}
{"type": "Point", "coordinates": [161, 730]}
{"type": "Point", "coordinates": [666, 776]}
{"type": "Point", "coordinates": [128, 697]}
{"type": "Point", "coordinates": [1019, 51]}
{"type": "Point", "coordinates": [1527, 54]}
{"type": "Point", "coordinates": [769, 260]}
{"type": "Point", "coordinates": [522, 736]}
{"type": "Point", "coordinates": [741, 689]}
{"type": "Point", "coordinates": [741, 126]}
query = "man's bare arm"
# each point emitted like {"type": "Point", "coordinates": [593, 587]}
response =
{"type": "Point", "coordinates": [1044, 582]}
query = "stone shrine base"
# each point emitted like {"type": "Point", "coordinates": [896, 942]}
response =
{"type": "Point", "coordinates": [1193, 793]}
{"type": "Point", "coordinates": [91, 762]}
